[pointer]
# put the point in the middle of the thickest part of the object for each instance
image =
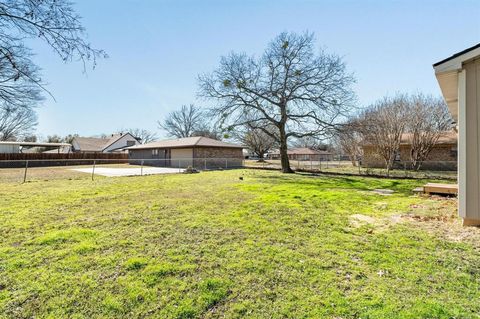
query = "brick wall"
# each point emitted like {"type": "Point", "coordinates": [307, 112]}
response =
{"type": "Point", "coordinates": [215, 157]}
{"type": "Point", "coordinates": [442, 157]}
{"type": "Point", "coordinates": [371, 159]}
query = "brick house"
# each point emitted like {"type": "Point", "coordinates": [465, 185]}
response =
{"type": "Point", "coordinates": [199, 152]}
{"type": "Point", "coordinates": [112, 144]}
{"type": "Point", "coordinates": [443, 156]}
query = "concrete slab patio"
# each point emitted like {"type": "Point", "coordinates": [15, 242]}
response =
{"type": "Point", "coordinates": [114, 172]}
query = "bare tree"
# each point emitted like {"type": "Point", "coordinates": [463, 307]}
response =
{"type": "Point", "coordinates": [53, 21]}
{"type": "Point", "coordinates": [429, 119]}
{"type": "Point", "coordinates": [145, 136]}
{"type": "Point", "coordinates": [16, 124]}
{"type": "Point", "coordinates": [349, 140]}
{"type": "Point", "coordinates": [289, 87]}
{"type": "Point", "coordinates": [312, 142]}
{"type": "Point", "coordinates": [189, 121]}
{"type": "Point", "coordinates": [382, 125]}
{"type": "Point", "coordinates": [54, 139]}
{"type": "Point", "coordinates": [69, 138]}
{"type": "Point", "coordinates": [30, 138]}
{"type": "Point", "coordinates": [257, 140]}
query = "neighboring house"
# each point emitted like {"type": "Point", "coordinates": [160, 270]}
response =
{"type": "Point", "coordinates": [303, 154]}
{"type": "Point", "coordinates": [443, 155]}
{"type": "Point", "coordinates": [7, 147]}
{"type": "Point", "coordinates": [459, 80]}
{"type": "Point", "coordinates": [199, 152]}
{"type": "Point", "coordinates": [113, 143]}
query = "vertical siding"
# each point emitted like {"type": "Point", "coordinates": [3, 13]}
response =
{"type": "Point", "coordinates": [9, 148]}
{"type": "Point", "coordinates": [472, 140]}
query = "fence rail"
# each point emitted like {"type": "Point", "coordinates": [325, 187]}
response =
{"type": "Point", "coordinates": [46, 169]}
{"type": "Point", "coordinates": [430, 170]}
{"type": "Point", "coordinates": [46, 159]}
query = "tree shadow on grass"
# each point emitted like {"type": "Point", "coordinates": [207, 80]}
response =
{"type": "Point", "coordinates": [404, 187]}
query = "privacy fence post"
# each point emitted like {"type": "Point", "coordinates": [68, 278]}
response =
{"type": "Point", "coordinates": [226, 163]}
{"type": "Point", "coordinates": [93, 169]}
{"type": "Point", "coordinates": [25, 173]}
{"type": "Point", "coordinates": [205, 164]}
{"type": "Point", "coordinates": [141, 168]}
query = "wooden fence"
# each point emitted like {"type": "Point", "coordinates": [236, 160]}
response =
{"type": "Point", "coordinates": [52, 159]}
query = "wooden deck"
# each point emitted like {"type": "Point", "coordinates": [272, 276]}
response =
{"type": "Point", "coordinates": [444, 189]}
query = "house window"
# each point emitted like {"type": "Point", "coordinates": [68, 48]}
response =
{"type": "Point", "coordinates": [130, 143]}
{"type": "Point", "coordinates": [155, 152]}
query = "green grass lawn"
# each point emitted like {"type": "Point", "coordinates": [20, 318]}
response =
{"type": "Point", "coordinates": [210, 245]}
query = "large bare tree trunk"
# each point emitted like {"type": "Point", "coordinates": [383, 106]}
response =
{"type": "Point", "coordinates": [283, 151]}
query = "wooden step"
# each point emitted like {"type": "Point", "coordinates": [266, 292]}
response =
{"type": "Point", "coordinates": [446, 189]}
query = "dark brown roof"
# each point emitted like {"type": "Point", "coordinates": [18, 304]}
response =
{"type": "Point", "coordinates": [196, 141]}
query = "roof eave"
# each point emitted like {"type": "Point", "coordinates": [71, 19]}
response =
{"type": "Point", "coordinates": [446, 72]}
{"type": "Point", "coordinates": [455, 61]}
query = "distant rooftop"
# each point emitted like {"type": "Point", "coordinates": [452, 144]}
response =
{"type": "Point", "coordinates": [97, 144]}
{"type": "Point", "coordinates": [34, 144]}
{"type": "Point", "coordinates": [196, 141]}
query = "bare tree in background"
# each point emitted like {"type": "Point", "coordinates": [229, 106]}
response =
{"type": "Point", "coordinates": [16, 124]}
{"type": "Point", "coordinates": [53, 21]}
{"type": "Point", "coordinates": [257, 140]}
{"type": "Point", "coordinates": [188, 121]}
{"type": "Point", "coordinates": [311, 142]}
{"type": "Point", "coordinates": [145, 136]}
{"type": "Point", "coordinates": [69, 138]}
{"type": "Point", "coordinates": [429, 119]}
{"type": "Point", "coordinates": [30, 138]}
{"type": "Point", "coordinates": [382, 125]}
{"type": "Point", "coordinates": [290, 87]}
{"type": "Point", "coordinates": [210, 133]}
{"type": "Point", "coordinates": [55, 138]}
{"type": "Point", "coordinates": [349, 140]}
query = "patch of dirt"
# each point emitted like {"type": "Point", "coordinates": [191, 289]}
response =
{"type": "Point", "coordinates": [362, 219]}
{"type": "Point", "coordinates": [383, 192]}
{"type": "Point", "coordinates": [376, 224]}
{"type": "Point", "coordinates": [439, 218]}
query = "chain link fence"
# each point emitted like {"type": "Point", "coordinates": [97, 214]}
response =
{"type": "Point", "coordinates": [50, 169]}
{"type": "Point", "coordinates": [430, 170]}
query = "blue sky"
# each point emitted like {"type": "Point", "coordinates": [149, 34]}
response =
{"type": "Point", "coordinates": [157, 49]}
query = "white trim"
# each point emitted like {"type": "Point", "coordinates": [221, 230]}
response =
{"type": "Point", "coordinates": [457, 63]}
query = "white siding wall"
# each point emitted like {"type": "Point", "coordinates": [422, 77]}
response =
{"type": "Point", "coordinates": [12, 148]}
{"type": "Point", "coordinates": [121, 143]}
{"type": "Point", "coordinates": [469, 141]}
